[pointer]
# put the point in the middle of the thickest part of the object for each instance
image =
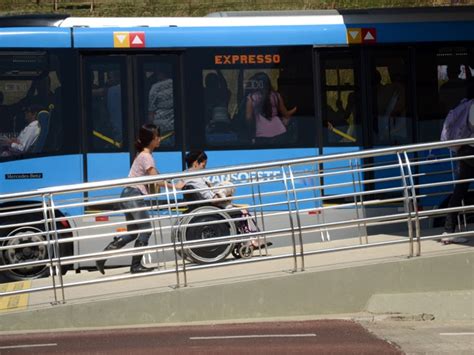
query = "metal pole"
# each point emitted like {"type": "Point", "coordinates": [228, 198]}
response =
{"type": "Point", "coordinates": [57, 247]}
{"type": "Point", "coordinates": [356, 202]}
{"type": "Point", "coordinates": [183, 256]}
{"type": "Point", "coordinates": [172, 231]}
{"type": "Point", "coordinates": [407, 205]}
{"type": "Point", "coordinates": [298, 220]}
{"type": "Point", "coordinates": [50, 252]}
{"type": "Point", "coordinates": [414, 204]}
{"type": "Point", "coordinates": [291, 219]}
{"type": "Point", "coordinates": [361, 197]}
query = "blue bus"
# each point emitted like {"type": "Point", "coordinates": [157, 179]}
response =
{"type": "Point", "coordinates": [356, 79]}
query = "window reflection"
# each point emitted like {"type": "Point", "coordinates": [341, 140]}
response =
{"type": "Point", "coordinates": [389, 81]}
{"type": "Point", "coordinates": [158, 101]}
{"type": "Point", "coordinates": [105, 111]}
{"type": "Point", "coordinates": [340, 119]}
{"type": "Point", "coordinates": [31, 108]}
{"type": "Point", "coordinates": [248, 102]}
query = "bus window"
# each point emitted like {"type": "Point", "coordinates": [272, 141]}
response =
{"type": "Point", "coordinates": [441, 83]}
{"type": "Point", "coordinates": [453, 72]}
{"type": "Point", "coordinates": [105, 111]}
{"type": "Point", "coordinates": [340, 112]}
{"type": "Point", "coordinates": [392, 123]}
{"type": "Point", "coordinates": [157, 99]}
{"type": "Point", "coordinates": [32, 80]}
{"type": "Point", "coordinates": [251, 98]}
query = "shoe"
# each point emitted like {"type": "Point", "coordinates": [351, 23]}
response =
{"type": "Point", "coordinates": [117, 243]}
{"type": "Point", "coordinates": [459, 240]}
{"type": "Point", "coordinates": [264, 245]}
{"type": "Point", "coordinates": [137, 267]}
{"type": "Point", "coordinates": [453, 240]}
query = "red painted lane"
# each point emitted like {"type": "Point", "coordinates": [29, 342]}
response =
{"type": "Point", "coordinates": [306, 337]}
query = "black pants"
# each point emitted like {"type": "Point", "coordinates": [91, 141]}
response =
{"type": "Point", "coordinates": [465, 171]}
{"type": "Point", "coordinates": [135, 215]}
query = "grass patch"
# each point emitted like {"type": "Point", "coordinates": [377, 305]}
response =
{"type": "Point", "coordinates": [167, 8]}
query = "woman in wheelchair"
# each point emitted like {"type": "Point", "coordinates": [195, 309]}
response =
{"type": "Point", "coordinates": [218, 197]}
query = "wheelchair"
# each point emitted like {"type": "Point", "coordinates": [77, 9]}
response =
{"type": "Point", "coordinates": [210, 222]}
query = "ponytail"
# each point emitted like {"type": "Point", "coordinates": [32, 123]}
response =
{"type": "Point", "coordinates": [195, 155]}
{"type": "Point", "coordinates": [146, 134]}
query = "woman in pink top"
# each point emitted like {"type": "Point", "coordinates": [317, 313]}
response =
{"type": "Point", "coordinates": [143, 165]}
{"type": "Point", "coordinates": [266, 109]}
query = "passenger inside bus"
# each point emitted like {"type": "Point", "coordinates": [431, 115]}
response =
{"type": "Point", "coordinates": [114, 105]}
{"type": "Point", "coordinates": [266, 109]}
{"type": "Point", "coordinates": [27, 137]}
{"type": "Point", "coordinates": [216, 102]}
{"type": "Point", "coordinates": [341, 121]}
{"type": "Point", "coordinates": [452, 91]}
{"type": "Point", "coordinates": [161, 104]}
{"type": "Point", "coordinates": [392, 122]}
{"type": "Point", "coordinates": [6, 121]}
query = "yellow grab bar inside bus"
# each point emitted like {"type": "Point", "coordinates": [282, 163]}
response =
{"type": "Point", "coordinates": [119, 144]}
{"type": "Point", "coordinates": [343, 135]}
{"type": "Point", "coordinates": [107, 139]}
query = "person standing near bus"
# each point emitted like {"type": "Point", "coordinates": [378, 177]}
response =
{"type": "Point", "coordinates": [143, 165]}
{"type": "Point", "coordinates": [265, 108]}
{"type": "Point", "coordinates": [465, 172]}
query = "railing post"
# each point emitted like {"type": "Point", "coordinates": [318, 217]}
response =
{"type": "Point", "coordinates": [172, 231]}
{"type": "Point", "coordinates": [295, 268]}
{"type": "Point", "coordinates": [325, 236]}
{"type": "Point", "coordinates": [414, 204]}
{"type": "Point", "coordinates": [57, 248]}
{"type": "Point", "coordinates": [458, 216]}
{"type": "Point", "coordinates": [356, 201]}
{"type": "Point", "coordinates": [255, 210]}
{"type": "Point", "coordinates": [157, 202]}
{"type": "Point", "coordinates": [407, 205]}
{"type": "Point", "coordinates": [361, 196]}
{"type": "Point", "coordinates": [298, 219]}
{"type": "Point", "coordinates": [260, 202]}
{"type": "Point", "coordinates": [50, 252]}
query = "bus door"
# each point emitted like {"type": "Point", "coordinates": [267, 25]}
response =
{"type": "Point", "coordinates": [340, 120]}
{"type": "Point", "coordinates": [123, 92]}
{"type": "Point", "coordinates": [391, 124]}
{"type": "Point", "coordinates": [388, 101]}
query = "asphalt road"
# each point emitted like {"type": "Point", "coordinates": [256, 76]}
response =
{"type": "Point", "coordinates": [304, 337]}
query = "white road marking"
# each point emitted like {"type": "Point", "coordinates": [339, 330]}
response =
{"type": "Point", "coordinates": [27, 346]}
{"type": "Point", "coordinates": [457, 333]}
{"type": "Point", "coordinates": [254, 336]}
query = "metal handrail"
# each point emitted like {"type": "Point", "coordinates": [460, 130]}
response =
{"type": "Point", "coordinates": [282, 206]}
{"type": "Point", "coordinates": [91, 186]}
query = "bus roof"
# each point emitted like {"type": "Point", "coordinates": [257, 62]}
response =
{"type": "Point", "coordinates": [282, 18]}
{"type": "Point", "coordinates": [314, 28]}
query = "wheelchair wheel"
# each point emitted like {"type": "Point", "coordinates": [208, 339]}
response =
{"type": "Point", "coordinates": [246, 251]}
{"type": "Point", "coordinates": [208, 218]}
{"type": "Point", "coordinates": [235, 251]}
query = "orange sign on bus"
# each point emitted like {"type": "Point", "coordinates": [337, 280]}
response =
{"type": "Point", "coordinates": [225, 59]}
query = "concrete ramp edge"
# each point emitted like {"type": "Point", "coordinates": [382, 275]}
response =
{"type": "Point", "coordinates": [434, 284]}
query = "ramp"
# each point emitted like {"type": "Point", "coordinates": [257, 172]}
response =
{"type": "Point", "coordinates": [357, 281]}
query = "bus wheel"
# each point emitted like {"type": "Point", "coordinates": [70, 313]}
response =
{"type": "Point", "coordinates": [24, 254]}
